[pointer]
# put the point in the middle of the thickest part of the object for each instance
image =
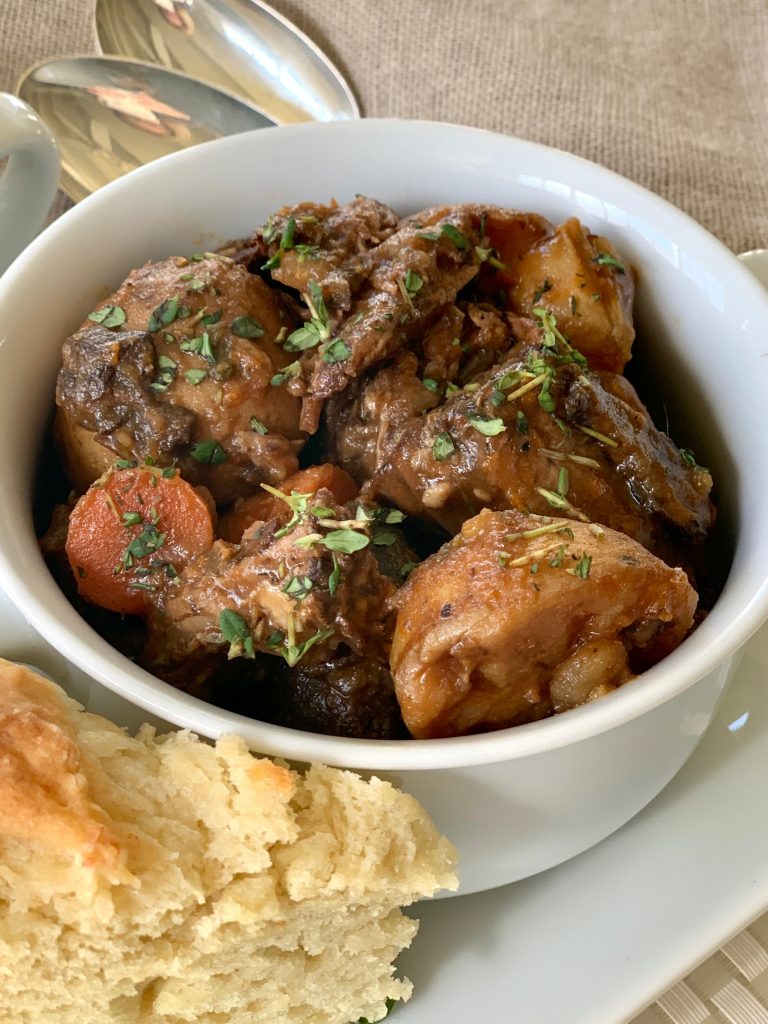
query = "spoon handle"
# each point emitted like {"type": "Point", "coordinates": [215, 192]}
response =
{"type": "Point", "coordinates": [31, 177]}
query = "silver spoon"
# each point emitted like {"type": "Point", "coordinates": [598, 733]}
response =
{"type": "Point", "coordinates": [110, 115]}
{"type": "Point", "coordinates": [242, 46]}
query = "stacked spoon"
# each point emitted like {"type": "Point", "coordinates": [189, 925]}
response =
{"type": "Point", "coordinates": [184, 72]}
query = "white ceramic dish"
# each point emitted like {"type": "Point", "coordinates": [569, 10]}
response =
{"type": "Point", "coordinates": [517, 801]}
{"type": "Point", "coordinates": [596, 940]}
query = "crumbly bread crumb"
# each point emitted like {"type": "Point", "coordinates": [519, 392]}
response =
{"type": "Point", "coordinates": [164, 880]}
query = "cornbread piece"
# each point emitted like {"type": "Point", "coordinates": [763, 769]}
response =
{"type": "Point", "coordinates": [163, 880]}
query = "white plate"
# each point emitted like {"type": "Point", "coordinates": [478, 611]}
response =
{"type": "Point", "coordinates": [597, 939]}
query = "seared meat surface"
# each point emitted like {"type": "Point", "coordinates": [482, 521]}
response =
{"type": "Point", "coordinates": [538, 432]}
{"type": "Point", "coordinates": [325, 244]}
{"type": "Point", "coordinates": [298, 591]}
{"type": "Point", "coordinates": [186, 378]}
{"type": "Point", "coordinates": [519, 616]}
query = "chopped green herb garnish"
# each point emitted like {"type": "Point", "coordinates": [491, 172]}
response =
{"type": "Point", "coordinates": [540, 531]}
{"type": "Point", "coordinates": [452, 232]}
{"type": "Point", "coordinates": [165, 377]}
{"type": "Point", "coordinates": [336, 352]}
{"type": "Point", "coordinates": [690, 459]}
{"type": "Point", "coordinates": [544, 287]}
{"type": "Point", "coordinates": [317, 328]}
{"type": "Point", "coordinates": [546, 401]}
{"type": "Point", "coordinates": [384, 538]}
{"type": "Point", "coordinates": [132, 519]}
{"type": "Point", "coordinates": [293, 653]}
{"type": "Point", "coordinates": [413, 282]}
{"type": "Point", "coordinates": [297, 503]}
{"type": "Point", "coordinates": [200, 346]}
{"type": "Point", "coordinates": [194, 284]}
{"type": "Point", "coordinates": [487, 425]}
{"type": "Point", "coordinates": [582, 567]}
{"type": "Point", "coordinates": [604, 259]}
{"type": "Point", "coordinates": [443, 447]}
{"type": "Point", "coordinates": [165, 314]}
{"type": "Point", "coordinates": [210, 453]}
{"type": "Point", "coordinates": [521, 422]}
{"type": "Point", "coordinates": [286, 242]}
{"type": "Point", "coordinates": [108, 316]}
{"type": "Point", "coordinates": [597, 435]}
{"type": "Point", "coordinates": [235, 632]}
{"type": "Point", "coordinates": [149, 540]}
{"type": "Point", "coordinates": [489, 256]}
{"type": "Point", "coordinates": [292, 370]}
{"type": "Point", "coordinates": [429, 236]}
{"type": "Point", "coordinates": [553, 498]}
{"type": "Point", "coordinates": [562, 482]}
{"type": "Point", "coordinates": [257, 426]}
{"type": "Point", "coordinates": [557, 560]}
{"type": "Point", "coordinates": [195, 376]}
{"type": "Point", "coordinates": [126, 463]}
{"type": "Point", "coordinates": [297, 587]}
{"type": "Point", "coordinates": [406, 569]}
{"type": "Point", "coordinates": [334, 579]}
{"type": "Point", "coordinates": [430, 384]}
{"type": "Point", "coordinates": [345, 541]}
{"type": "Point", "coordinates": [246, 327]}
{"type": "Point", "coordinates": [304, 337]}
{"type": "Point", "coordinates": [210, 319]}
{"type": "Point", "coordinates": [306, 251]}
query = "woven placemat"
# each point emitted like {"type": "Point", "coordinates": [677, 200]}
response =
{"type": "Point", "coordinates": [731, 987]}
{"type": "Point", "coordinates": [670, 94]}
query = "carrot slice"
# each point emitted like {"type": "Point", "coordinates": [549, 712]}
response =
{"type": "Point", "coordinates": [263, 506]}
{"type": "Point", "coordinates": [131, 530]}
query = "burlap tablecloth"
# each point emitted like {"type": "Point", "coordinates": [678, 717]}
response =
{"type": "Point", "coordinates": [671, 93]}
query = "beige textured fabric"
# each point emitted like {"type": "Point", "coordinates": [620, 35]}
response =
{"type": "Point", "coordinates": [671, 93]}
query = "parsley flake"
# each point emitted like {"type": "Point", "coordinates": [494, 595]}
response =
{"type": "Point", "coordinates": [108, 316]}
{"type": "Point", "coordinates": [210, 453]}
{"type": "Point", "coordinates": [246, 327]}
{"type": "Point", "coordinates": [336, 352]}
{"type": "Point", "coordinates": [582, 567]}
{"type": "Point", "coordinates": [487, 425]}
{"type": "Point", "coordinates": [164, 314]}
{"type": "Point", "coordinates": [235, 632]}
{"type": "Point", "coordinates": [452, 232]}
{"type": "Point", "coordinates": [604, 259]}
{"type": "Point", "coordinates": [199, 346]}
{"type": "Point", "coordinates": [443, 447]}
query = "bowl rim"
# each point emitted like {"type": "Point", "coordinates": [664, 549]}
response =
{"type": "Point", "coordinates": [695, 658]}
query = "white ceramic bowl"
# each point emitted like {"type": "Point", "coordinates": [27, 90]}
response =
{"type": "Point", "coordinates": [519, 800]}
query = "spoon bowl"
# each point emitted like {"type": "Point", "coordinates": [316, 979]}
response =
{"type": "Point", "coordinates": [110, 115]}
{"type": "Point", "coordinates": [243, 46]}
